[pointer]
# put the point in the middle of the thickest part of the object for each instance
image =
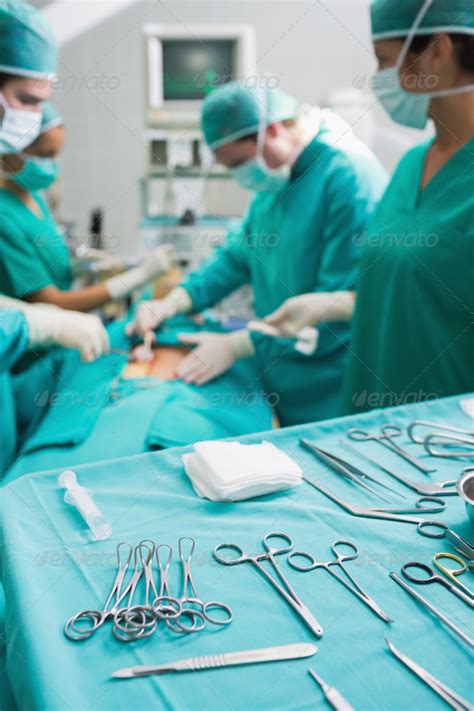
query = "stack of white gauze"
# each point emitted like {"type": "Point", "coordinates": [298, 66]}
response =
{"type": "Point", "coordinates": [230, 471]}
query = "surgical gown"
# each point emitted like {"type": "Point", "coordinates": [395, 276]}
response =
{"type": "Point", "coordinates": [33, 254]}
{"type": "Point", "coordinates": [13, 342]}
{"type": "Point", "coordinates": [413, 335]}
{"type": "Point", "coordinates": [302, 239]}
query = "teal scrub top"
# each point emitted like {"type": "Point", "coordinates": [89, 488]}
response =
{"type": "Point", "coordinates": [413, 335]}
{"type": "Point", "coordinates": [302, 239]}
{"type": "Point", "coordinates": [13, 342]}
{"type": "Point", "coordinates": [33, 254]}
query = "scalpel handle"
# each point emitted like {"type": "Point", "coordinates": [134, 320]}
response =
{"type": "Point", "coordinates": [337, 701]}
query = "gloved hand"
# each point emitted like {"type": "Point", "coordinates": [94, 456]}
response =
{"type": "Point", "coordinates": [48, 325]}
{"type": "Point", "coordinates": [215, 353]}
{"type": "Point", "coordinates": [310, 309]}
{"type": "Point", "coordinates": [99, 259]}
{"type": "Point", "coordinates": [151, 314]}
{"type": "Point", "coordinates": [157, 262]}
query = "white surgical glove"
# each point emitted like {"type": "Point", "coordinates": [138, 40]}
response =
{"type": "Point", "coordinates": [215, 353]}
{"type": "Point", "coordinates": [157, 262]}
{"type": "Point", "coordinates": [310, 309]}
{"type": "Point", "coordinates": [50, 325]}
{"type": "Point", "coordinates": [98, 259]}
{"type": "Point", "coordinates": [151, 314]}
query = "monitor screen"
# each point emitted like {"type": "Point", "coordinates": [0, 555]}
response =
{"type": "Point", "coordinates": [193, 68]}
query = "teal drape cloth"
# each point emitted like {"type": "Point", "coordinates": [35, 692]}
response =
{"type": "Point", "coordinates": [50, 569]}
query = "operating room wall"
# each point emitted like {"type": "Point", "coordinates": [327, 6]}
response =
{"type": "Point", "coordinates": [311, 48]}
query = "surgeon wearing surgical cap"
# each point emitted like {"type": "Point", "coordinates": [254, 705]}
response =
{"type": "Point", "coordinates": [413, 335]}
{"type": "Point", "coordinates": [314, 189]}
{"type": "Point", "coordinates": [28, 63]}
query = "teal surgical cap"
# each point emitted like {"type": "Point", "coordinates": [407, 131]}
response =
{"type": "Point", "coordinates": [27, 45]}
{"type": "Point", "coordinates": [395, 18]}
{"type": "Point", "coordinates": [235, 110]}
{"type": "Point", "coordinates": [50, 117]}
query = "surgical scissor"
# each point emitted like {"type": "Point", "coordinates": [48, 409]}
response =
{"type": "Point", "coordinates": [434, 610]}
{"type": "Point", "coordinates": [454, 700]}
{"type": "Point", "coordinates": [238, 556]}
{"type": "Point", "coordinates": [459, 544]}
{"type": "Point", "coordinates": [391, 514]}
{"type": "Point", "coordinates": [435, 488]}
{"type": "Point", "coordinates": [433, 577]}
{"type": "Point", "coordinates": [339, 561]}
{"type": "Point", "coordinates": [386, 438]}
{"type": "Point", "coordinates": [189, 599]}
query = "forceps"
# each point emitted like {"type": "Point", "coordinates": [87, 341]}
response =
{"type": "Point", "coordinates": [339, 560]}
{"type": "Point", "coordinates": [452, 699]}
{"type": "Point", "coordinates": [285, 590]}
{"type": "Point", "coordinates": [189, 597]}
{"type": "Point", "coordinates": [96, 618]}
{"type": "Point", "coordinates": [136, 621]}
{"type": "Point", "coordinates": [386, 438]}
{"type": "Point", "coordinates": [164, 605]}
{"type": "Point", "coordinates": [346, 469]}
{"type": "Point", "coordinates": [434, 578]}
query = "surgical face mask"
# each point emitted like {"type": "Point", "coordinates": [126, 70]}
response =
{"type": "Point", "coordinates": [37, 173]}
{"type": "Point", "coordinates": [18, 128]}
{"type": "Point", "coordinates": [255, 174]}
{"type": "Point", "coordinates": [404, 107]}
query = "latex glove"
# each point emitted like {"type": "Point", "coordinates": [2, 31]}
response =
{"type": "Point", "coordinates": [215, 353]}
{"type": "Point", "coordinates": [151, 314]}
{"type": "Point", "coordinates": [157, 262]}
{"type": "Point", "coordinates": [99, 259]}
{"type": "Point", "coordinates": [310, 309]}
{"type": "Point", "coordinates": [48, 325]}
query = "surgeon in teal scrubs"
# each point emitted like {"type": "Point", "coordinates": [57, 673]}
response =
{"type": "Point", "coordinates": [315, 187]}
{"type": "Point", "coordinates": [35, 263]}
{"type": "Point", "coordinates": [28, 62]}
{"type": "Point", "coordinates": [413, 336]}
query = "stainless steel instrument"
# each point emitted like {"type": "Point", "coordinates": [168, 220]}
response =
{"type": "Point", "coordinates": [346, 469]}
{"type": "Point", "coordinates": [333, 696]}
{"type": "Point", "coordinates": [452, 699]}
{"type": "Point", "coordinates": [229, 659]}
{"type": "Point", "coordinates": [387, 439]}
{"type": "Point", "coordinates": [435, 488]}
{"type": "Point", "coordinates": [445, 620]}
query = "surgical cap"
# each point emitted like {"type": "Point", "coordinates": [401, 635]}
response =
{"type": "Point", "coordinates": [395, 18]}
{"type": "Point", "coordinates": [27, 45]}
{"type": "Point", "coordinates": [235, 110]}
{"type": "Point", "coordinates": [50, 117]}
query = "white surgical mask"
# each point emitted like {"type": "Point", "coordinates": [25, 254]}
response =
{"type": "Point", "coordinates": [404, 107]}
{"type": "Point", "coordinates": [255, 174]}
{"type": "Point", "coordinates": [18, 128]}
